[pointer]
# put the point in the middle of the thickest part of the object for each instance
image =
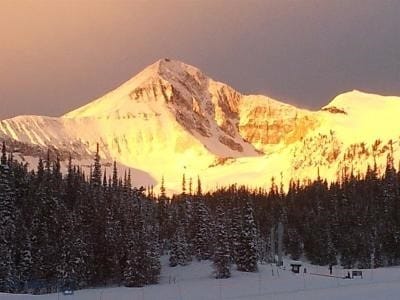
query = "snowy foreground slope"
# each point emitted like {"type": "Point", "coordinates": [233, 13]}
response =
{"type": "Point", "coordinates": [194, 282]}
{"type": "Point", "coordinates": [171, 119]}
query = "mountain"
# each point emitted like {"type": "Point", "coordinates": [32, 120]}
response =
{"type": "Point", "coordinates": [172, 119]}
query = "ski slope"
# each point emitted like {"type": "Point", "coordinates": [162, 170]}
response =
{"type": "Point", "coordinates": [195, 282]}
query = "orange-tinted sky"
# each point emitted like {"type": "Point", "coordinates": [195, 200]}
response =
{"type": "Point", "coordinates": [56, 55]}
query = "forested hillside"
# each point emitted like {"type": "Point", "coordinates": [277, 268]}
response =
{"type": "Point", "coordinates": [84, 230]}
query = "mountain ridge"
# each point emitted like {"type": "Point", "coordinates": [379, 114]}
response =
{"type": "Point", "coordinates": [172, 119]}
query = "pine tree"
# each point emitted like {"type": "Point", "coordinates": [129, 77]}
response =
{"type": "Point", "coordinates": [163, 216]}
{"type": "Point", "coordinates": [134, 271]}
{"type": "Point", "coordinates": [142, 253]}
{"type": "Point", "coordinates": [82, 231]}
{"type": "Point", "coordinates": [59, 216]}
{"type": "Point", "coordinates": [236, 227]}
{"type": "Point", "coordinates": [247, 247]}
{"type": "Point", "coordinates": [293, 241]}
{"type": "Point", "coordinates": [183, 184]}
{"type": "Point", "coordinates": [24, 261]}
{"type": "Point", "coordinates": [199, 190]}
{"type": "Point", "coordinates": [39, 232]}
{"type": "Point", "coordinates": [152, 259]}
{"type": "Point", "coordinates": [222, 257]}
{"type": "Point", "coordinates": [113, 230]}
{"type": "Point", "coordinates": [95, 178]}
{"type": "Point", "coordinates": [179, 254]}
{"type": "Point", "coordinates": [389, 198]}
{"type": "Point", "coordinates": [99, 225]}
{"type": "Point", "coordinates": [7, 227]}
{"type": "Point", "coordinates": [202, 231]}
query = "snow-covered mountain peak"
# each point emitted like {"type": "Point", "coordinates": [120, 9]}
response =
{"type": "Point", "coordinates": [361, 102]}
{"type": "Point", "coordinates": [172, 118]}
{"type": "Point", "coordinates": [162, 82]}
{"type": "Point", "coordinates": [164, 69]}
{"type": "Point", "coordinates": [170, 69]}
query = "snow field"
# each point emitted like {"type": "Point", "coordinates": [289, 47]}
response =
{"type": "Point", "coordinates": [195, 282]}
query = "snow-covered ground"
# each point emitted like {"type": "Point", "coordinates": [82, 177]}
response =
{"type": "Point", "coordinates": [195, 282]}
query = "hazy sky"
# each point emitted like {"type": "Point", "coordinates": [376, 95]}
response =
{"type": "Point", "coordinates": [56, 55]}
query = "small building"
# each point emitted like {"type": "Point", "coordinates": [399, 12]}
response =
{"type": "Point", "coordinates": [356, 273]}
{"type": "Point", "coordinates": [296, 265]}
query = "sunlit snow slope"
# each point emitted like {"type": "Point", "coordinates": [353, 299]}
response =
{"type": "Point", "coordinates": [172, 119]}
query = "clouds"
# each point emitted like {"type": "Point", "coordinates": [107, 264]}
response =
{"type": "Point", "coordinates": [57, 55]}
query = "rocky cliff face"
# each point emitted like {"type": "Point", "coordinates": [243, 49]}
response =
{"type": "Point", "coordinates": [172, 119]}
{"type": "Point", "coordinates": [265, 122]}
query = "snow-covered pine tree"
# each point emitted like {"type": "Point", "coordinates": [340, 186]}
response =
{"type": "Point", "coordinates": [163, 217]}
{"type": "Point", "coordinates": [179, 254]}
{"type": "Point", "coordinates": [134, 271]}
{"type": "Point", "coordinates": [39, 230]}
{"type": "Point", "coordinates": [59, 215]}
{"type": "Point", "coordinates": [390, 198]}
{"type": "Point", "coordinates": [247, 243]}
{"type": "Point", "coordinates": [235, 231]}
{"type": "Point", "coordinates": [82, 228]}
{"type": "Point", "coordinates": [185, 215]}
{"type": "Point", "coordinates": [20, 184]}
{"type": "Point", "coordinates": [7, 227]}
{"type": "Point", "coordinates": [222, 257]}
{"type": "Point", "coordinates": [292, 239]}
{"type": "Point", "coordinates": [201, 226]}
{"type": "Point", "coordinates": [99, 222]}
{"type": "Point", "coordinates": [114, 226]}
{"type": "Point", "coordinates": [153, 267]}
{"type": "Point", "coordinates": [24, 263]}
{"type": "Point", "coordinates": [70, 259]}
{"type": "Point", "coordinates": [293, 243]}
{"type": "Point", "coordinates": [142, 252]}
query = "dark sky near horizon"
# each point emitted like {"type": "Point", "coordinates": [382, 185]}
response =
{"type": "Point", "coordinates": [56, 55]}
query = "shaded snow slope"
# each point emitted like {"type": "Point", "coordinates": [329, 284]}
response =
{"type": "Point", "coordinates": [195, 282]}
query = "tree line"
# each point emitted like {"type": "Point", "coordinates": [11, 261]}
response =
{"type": "Point", "coordinates": [75, 230]}
{"type": "Point", "coordinates": [95, 229]}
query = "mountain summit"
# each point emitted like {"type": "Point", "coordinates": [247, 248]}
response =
{"type": "Point", "coordinates": [171, 93]}
{"type": "Point", "coordinates": [157, 79]}
{"type": "Point", "coordinates": [172, 119]}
